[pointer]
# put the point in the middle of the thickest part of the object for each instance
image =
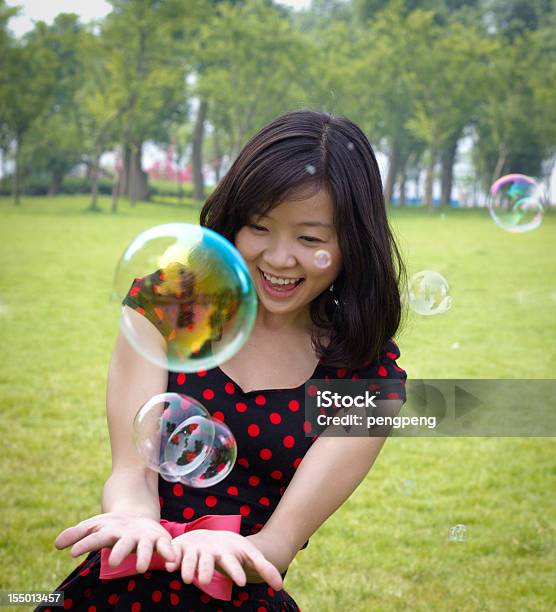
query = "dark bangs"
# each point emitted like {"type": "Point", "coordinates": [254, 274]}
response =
{"type": "Point", "coordinates": [293, 156]}
{"type": "Point", "coordinates": [280, 160]}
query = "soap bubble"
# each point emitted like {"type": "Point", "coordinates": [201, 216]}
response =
{"type": "Point", "coordinates": [457, 533]}
{"type": "Point", "coordinates": [176, 437]}
{"type": "Point", "coordinates": [219, 461]}
{"type": "Point", "coordinates": [514, 203]}
{"type": "Point", "coordinates": [429, 293]}
{"type": "Point", "coordinates": [322, 258]}
{"type": "Point", "coordinates": [408, 486]}
{"type": "Point", "coordinates": [192, 302]}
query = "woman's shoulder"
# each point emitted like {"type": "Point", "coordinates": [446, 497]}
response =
{"type": "Point", "coordinates": [382, 373]}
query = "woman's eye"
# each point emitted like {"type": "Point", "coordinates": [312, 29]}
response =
{"type": "Point", "coordinates": [311, 239]}
{"type": "Point", "coordinates": [257, 227]}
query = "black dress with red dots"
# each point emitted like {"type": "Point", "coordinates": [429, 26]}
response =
{"type": "Point", "coordinates": [271, 433]}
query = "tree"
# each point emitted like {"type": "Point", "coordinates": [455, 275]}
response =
{"type": "Point", "coordinates": [514, 126]}
{"type": "Point", "coordinates": [255, 66]}
{"type": "Point", "coordinates": [26, 86]}
{"type": "Point", "coordinates": [448, 73]}
{"type": "Point", "coordinates": [101, 105]}
{"type": "Point", "coordinates": [53, 146]}
{"type": "Point", "coordinates": [149, 45]}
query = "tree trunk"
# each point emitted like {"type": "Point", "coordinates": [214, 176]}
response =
{"type": "Point", "coordinates": [502, 154]}
{"type": "Point", "coordinates": [429, 178]}
{"type": "Point", "coordinates": [94, 181]}
{"type": "Point", "coordinates": [393, 163]}
{"type": "Point", "coordinates": [56, 181]}
{"type": "Point", "coordinates": [132, 175]}
{"type": "Point", "coordinates": [217, 156]}
{"type": "Point", "coordinates": [138, 179]}
{"type": "Point", "coordinates": [115, 190]}
{"type": "Point", "coordinates": [448, 159]}
{"type": "Point", "coordinates": [17, 181]}
{"type": "Point", "coordinates": [197, 157]}
{"type": "Point", "coordinates": [124, 174]}
{"type": "Point", "coordinates": [403, 182]}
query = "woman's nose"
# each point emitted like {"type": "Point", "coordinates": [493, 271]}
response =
{"type": "Point", "coordinates": [279, 256]}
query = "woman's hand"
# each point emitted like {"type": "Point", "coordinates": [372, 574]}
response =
{"type": "Point", "coordinates": [200, 550]}
{"type": "Point", "coordinates": [125, 533]}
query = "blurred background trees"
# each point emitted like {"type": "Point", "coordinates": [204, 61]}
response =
{"type": "Point", "coordinates": [433, 83]}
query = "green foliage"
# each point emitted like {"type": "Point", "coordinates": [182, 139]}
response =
{"type": "Point", "coordinates": [39, 186]}
{"type": "Point", "coordinates": [413, 73]}
{"type": "Point", "coordinates": [516, 118]}
{"type": "Point", "coordinates": [253, 65]}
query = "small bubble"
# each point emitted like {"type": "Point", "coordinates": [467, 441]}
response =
{"type": "Point", "coordinates": [457, 533]}
{"type": "Point", "coordinates": [322, 258]}
{"type": "Point", "coordinates": [428, 293]}
{"type": "Point", "coordinates": [350, 146]}
{"type": "Point", "coordinates": [454, 346]}
{"type": "Point", "coordinates": [408, 487]}
{"type": "Point", "coordinates": [310, 169]}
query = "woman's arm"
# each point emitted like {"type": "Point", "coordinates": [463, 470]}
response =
{"type": "Point", "coordinates": [327, 476]}
{"type": "Point", "coordinates": [130, 521]}
{"type": "Point", "coordinates": [132, 381]}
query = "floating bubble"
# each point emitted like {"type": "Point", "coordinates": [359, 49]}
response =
{"type": "Point", "coordinates": [350, 146]}
{"type": "Point", "coordinates": [408, 487]}
{"type": "Point", "coordinates": [310, 168]}
{"type": "Point", "coordinates": [457, 533]}
{"type": "Point", "coordinates": [192, 302]}
{"type": "Point", "coordinates": [322, 258]}
{"type": "Point", "coordinates": [514, 203]}
{"type": "Point", "coordinates": [454, 346]}
{"type": "Point", "coordinates": [428, 293]}
{"type": "Point", "coordinates": [219, 461]}
{"type": "Point", "coordinates": [176, 437]}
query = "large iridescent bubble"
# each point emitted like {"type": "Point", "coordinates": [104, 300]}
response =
{"type": "Point", "coordinates": [190, 302]}
{"type": "Point", "coordinates": [515, 203]}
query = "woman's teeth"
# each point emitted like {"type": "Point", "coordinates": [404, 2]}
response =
{"type": "Point", "coordinates": [281, 281]}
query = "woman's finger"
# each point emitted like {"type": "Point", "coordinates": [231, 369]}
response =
{"type": "Point", "coordinates": [232, 567]}
{"type": "Point", "coordinates": [121, 549]}
{"type": "Point", "coordinates": [265, 569]}
{"type": "Point", "coordinates": [175, 564]}
{"type": "Point", "coordinates": [205, 567]}
{"type": "Point", "coordinates": [189, 564]}
{"type": "Point", "coordinates": [164, 548]}
{"type": "Point", "coordinates": [95, 541]}
{"type": "Point", "coordinates": [77, 532]}
{"type": "Point", "coordinates": [71, 535]}
{"type": "Point", "coordinates": [144, 554]}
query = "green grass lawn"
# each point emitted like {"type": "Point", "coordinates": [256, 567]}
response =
{"type": "Point", "coordinates": [385, 549]}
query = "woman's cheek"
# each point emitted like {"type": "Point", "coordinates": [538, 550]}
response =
{"type": "Point", "coordinates": [245, 245]}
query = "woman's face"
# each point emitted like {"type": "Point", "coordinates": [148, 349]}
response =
{"type": "Point", "coordinates": [281, 246]}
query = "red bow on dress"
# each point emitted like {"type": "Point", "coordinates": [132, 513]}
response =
{"type": "Point", "coordinates": [220, 586]}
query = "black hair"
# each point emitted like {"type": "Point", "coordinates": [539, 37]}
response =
{"type": "Point", "coordinates": [306, 148]}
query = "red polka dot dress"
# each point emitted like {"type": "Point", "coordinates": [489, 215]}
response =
{"type": "Point", "coordinates": [272, 439]}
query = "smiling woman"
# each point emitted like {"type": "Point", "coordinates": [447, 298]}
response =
{"type": "Point", "coordinates": [279, 250]}
{"type": "Point", "coordinates": [306, 182]}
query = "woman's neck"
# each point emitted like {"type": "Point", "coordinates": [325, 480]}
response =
{"type": "Point", "coordinates": [288, 323]}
